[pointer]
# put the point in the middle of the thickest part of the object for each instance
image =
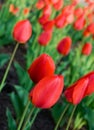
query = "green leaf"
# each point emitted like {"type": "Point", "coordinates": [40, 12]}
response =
{"type": "Point", "coordinates": [3, 59]}
{"type": "Point", "coordinates": [11, 121]}
{"type": "Point", "coordinates": [19, 100]}
{"type": "Point", "coordinates": [23, 76]}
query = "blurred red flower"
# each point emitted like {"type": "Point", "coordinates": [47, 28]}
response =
{"type": "Point", "coordinates": [22, 31]}
{"type": "Point", "coordinates": [87, 48]}
{"type": "Point", "coordinates": [47, 91]}
{"type": "Point", "coordinates": [41, 67]}
{"type": "Point", "coordinates": [64, 46]}
{"type": "Point", "coordinates": [80, 89]}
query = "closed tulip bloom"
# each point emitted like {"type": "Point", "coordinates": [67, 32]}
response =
{"type": "Point", "coordinates": [58, 5]}
{"type": "Point", "coordinates": [64, 46]}
{"type": "Point", "coordinates": [48, 25]}
{"type": "Point", "coordinates": [79, 23]}
{"type": "Point", "coordinates": [60, 21]}
{"type": "Point", "coordinates": [86, 33]}
{"type": "Point", "coordinates": [45, 38]}
{"type": "Point", "coordinates": [41, 67]}
{"type": "Point", "coordinates": [87, 49]}
{"type": "Point", "coordinates": [13, 10]}
{"type": "Point", "coordinates": [40, 4]}
{"type": "Point", "coordinates": [90, 28]}
{"type": "Point", "coordinates": [80, 89]}
{"type": "Point", "coordinates": [22, 31]}
{"type": "Point", "coordinates": [78, 12]}
{"type": "Point", "coordinates": [43, 19]}
{"type": "Point", "coordinates": [47, 92]}
{"type": "Point", "coordinates": [26, 11]}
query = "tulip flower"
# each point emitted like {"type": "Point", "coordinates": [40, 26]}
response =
{"type": "Point", "coordinates": [48, 25]}
{"type": "Point", "coordinates": [87, 48]}
{"type": "Point", "coordinates": [43, 19]}
{"type": "Point", "coordinates": [47, 91]}
{"type": "Point", "coordinates": [41, 67]}
{"type": "Point", "coordinates": [60, 21]}
{"type": "Point", "coordinates": [79, 23]}
{"type": "Point", "coordinates": [90, 28]}
{"type": "Point", "coordinates": [13, 10]}
{"type": "Point", "coordinates": [40, 4]}
{"type": "Point", "coordinates": [80, 89]}
{"type": "Point", "coordinates": [26, 11]}
{"type": "Point", "coordinates": [58, 5]}
{"type": "Point", "coordinates": [78, 12]}
{"type": "Point", "coordinates": [64, 46]}
{"type": "Point", "coordinates": [45, 38]}
{"type": "Point", "coordinates": [22, 31]}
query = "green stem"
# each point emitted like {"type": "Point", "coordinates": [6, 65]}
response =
{"type": "Point", "coordinates": [28, 118]}
{"type": "Point", "coordinates": [57, 125]}
{"type": "Point", "coordinates": [8, 67]}
{"type": "Point", "coordinates": [70, 118]}
{"type": "Point", "coordinates": [23, 116]}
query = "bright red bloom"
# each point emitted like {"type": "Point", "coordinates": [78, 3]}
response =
{"type": "Point", "coordinates": [26, 11]}
{"type": "Point", "coordinates": [45, 38]}
{"type": "Point", "coordinates": [47, 10]}
{"type": "Point", "coordinates": [90, 28]}
{"type": "Point", "coordinates": [48, 25]}
{"type": "Point", "coordinates": [60, 21]}
{"type": "Point", "coordinates": [80, 23]}
{"type": "Point", "coordinates": [41, 67]}
{"type": "Point", "coordinates": [87, 48]}
{"type": "Point", "coordinates": [40, 4]}
{"type": "Point", "coordinates": [47, 92]}
{"type": "Point", "coordinates": [80, 89]}
{"type": "Point", "coordinates": [43, 19]}
{"type": "Point", "coordinates": [58, 5]}
{"type": "Point", "coordinates": [64, 46]}
{"type": "Point", "coordinates": [13, 10]}
{"type": "Point", "coordinates": [86, 33]}
{"type": "Point", "coordinates": [78, 12]}
{"type": "Point", "coordinates": [22, 31]}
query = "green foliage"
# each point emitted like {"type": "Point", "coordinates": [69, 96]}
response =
{"type": "Point", "coordinates": [11, 121]}
{"type": "Point", "coordinates": [3, 59]}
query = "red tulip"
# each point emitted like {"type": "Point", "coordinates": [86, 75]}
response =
{"type": "Point", "coordinates": [86, 33]}
{"type": "Point", "coordinates": [13, 10]}
{"type": "Point", "coordinates": [26, 11]}
{"type": "Point", "coordinates": [80, 89]}
{"type": "Point", "coordinates": [48, 25]}
{"type": "Point", "coordinates": [41, 67]}
{"type": "Point", "coordinates": [22, 31]}
{"type": "Point", "coordinates": [80, 23]}
{"type": "Point", "coordinates": [40, 4]}
{"type": "Point", "coordinates": [58, 5]}
{"type": "Point", "coordinates": [45, 38]}
{"type": "Point", "coordinates": [90, 28]}
{"type": "Point", "coordinates": [47, 92]}
{"type": "Point", "coordinates": [64, 46]}
{"type": "Point", "coordinates": [43, 19]}
{"type": "Point", "coordinates": [78, 12]}
{"type": "Point", "coordinates": [60, 21]}
{"type": "Point", "coordinates": [87, 48]}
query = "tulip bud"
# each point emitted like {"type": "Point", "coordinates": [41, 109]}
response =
{"type": "Point", "coordinates": [64, 46]}
{"type": "Point", "coordinates": [45, 38]}
{"type": "Point", "coordinates": [47, 92]}
{"type": "Point", "coordinates": [90, 28]}
{"type": "Point", "coordinates": [58, 5]}
{"type": "Point", "coordinates": [60, 21]}
{"type": "Point", "coordinates": [79, 23]}
{"type": "Point", "coordinates": [13, 10]}
{"type": "Point", "coordinates": [41, 67]}
{"type": "Point", "coordinates": [87, 48]}
{"type": "Point", "coordinates": [48, 25]}
{"type": "Point", "coordinates": [22, 31]}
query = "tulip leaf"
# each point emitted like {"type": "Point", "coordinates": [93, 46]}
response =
{"type": "Point", "coordinates": [11, 121]}
{"type": "Point", "coordinates": [23, 76]}
{"type": "Point", "coordinates": [3, 59]}
{"type": "Point", "coordinates": [19, 99]}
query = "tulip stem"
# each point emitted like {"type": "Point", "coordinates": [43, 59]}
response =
{"type": "Point", "coordinates": [8, 67]}
{"type": "Point", "coordinates": [71, 118]}
{"type": "Point", "coordinates": [23, 115]}
{"type": "Point", "coordinates": [57, 125]}
{"type": "Point", "coordinates": [29, 116]}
